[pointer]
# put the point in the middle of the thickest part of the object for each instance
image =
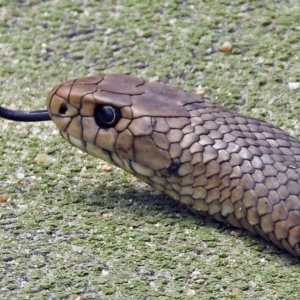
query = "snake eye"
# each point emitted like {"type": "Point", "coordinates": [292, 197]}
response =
{"type": "Point", "coordinates": [106, 116]}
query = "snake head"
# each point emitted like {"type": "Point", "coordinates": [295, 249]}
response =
{"type": "Point", "coordinates": [123, 120]}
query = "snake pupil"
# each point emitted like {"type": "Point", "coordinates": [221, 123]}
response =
{"type": "Point", "coordinates": [63, 109]}
{"type": "Point", "coordinates": [106, 116]}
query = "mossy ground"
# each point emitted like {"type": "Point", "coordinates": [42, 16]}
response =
{"type": "Point", "coordinates": [70, 228]}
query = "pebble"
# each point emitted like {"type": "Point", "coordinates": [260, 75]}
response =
{"type": "Point", "coordinates": [195, 274]}
{"type": "Point", "coordinates": [200, 90]}
{"type": "Point", "coordinates": [152, 284]}
{"type": "Point", "coordinates": [72, 237]}
{"type": "Point", "coordinates": [191, 293]}
{"type": "Point", "coordinates": [237, 232]}
{"type": "Point", "coordinates": [108, 216]}
{"type": "Point", "coordinates": [104, 272]}
{"type": "Point", "coordinates": [235, 292]}
{"type": "Point", "coordinates": [226, 47]}
{"type": "Point", "coordinates": [3, 198]}
{"type": "Point", "coordinates": [106, 168]}
{"type": "Point", "coordinates": [130, 247]}
{"type": "Point", "coordinates": [44, 158]}
{"type": "Point", "coordinates": [77, 248]}
{"type": "Point", "coordinates": [294, 85]}
{"type": "Point", "coordinates": [20, 176]}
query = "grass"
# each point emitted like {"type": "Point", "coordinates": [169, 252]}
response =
{"type": "Point", "coordinates": [71, 229]}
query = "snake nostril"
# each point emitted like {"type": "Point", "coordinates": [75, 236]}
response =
{"type": "Point", "coordinates": [63, 109]}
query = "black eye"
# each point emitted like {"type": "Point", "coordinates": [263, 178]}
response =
{"type": "Point", "coordinates": [63, 109]}
{"type": "Point", "coordinates": [106, 116]}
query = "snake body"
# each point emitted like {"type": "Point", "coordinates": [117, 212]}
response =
{"type": "Point", "coordinates": [236, 169]}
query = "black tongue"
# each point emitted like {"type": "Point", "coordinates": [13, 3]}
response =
{"type": "Point", "coordinates": [24, 116]}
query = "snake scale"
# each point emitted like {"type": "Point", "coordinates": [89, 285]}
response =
{"type": "Point", "coordinates": [238, 170]}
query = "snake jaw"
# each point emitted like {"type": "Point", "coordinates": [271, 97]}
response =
{"type": "Point", "coordinates": [118, 161]}
{"type": "Point", "coordinates": [87, 147]}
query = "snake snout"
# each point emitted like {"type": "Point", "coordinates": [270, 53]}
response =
{"type": "Point", "coordinates": [60, 110]}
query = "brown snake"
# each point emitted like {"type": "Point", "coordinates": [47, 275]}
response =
{"type": "Point", "coordinates": [238, 170]}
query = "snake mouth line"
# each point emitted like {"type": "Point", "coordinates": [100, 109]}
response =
{"type": "Point", "coordinates": [97, 152]}
{"type": "Point", "coordinates": [113, 158]}
{"type": "Point", "coordinates": [25, 116]}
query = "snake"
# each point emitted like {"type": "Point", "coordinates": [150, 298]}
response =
{"type": "Point", "coordinates": [238, 170]}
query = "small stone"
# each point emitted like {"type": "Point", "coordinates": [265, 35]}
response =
{"type": "Point", "coordinates": [3, 198]}
{"type": "Point", "coordinates": [235, 292]}
{"type": "Point", "coordinates": [72, 237]}
{"type": "Point", "coordinates": [195, 274]}
{"type": "Point", "coordinates": [252, 284]}
{"type": "Point", "coordinates": [209, 50]}
{"type": "Point", "coordinates": [44, 158]}
{"type": "Point", "coordinates": [152, 284]}
{"type": "Point", "coordinates": [108, 31]}
{"type": "Point", "coordinates": [106, 168]}
{"type": "Point", "coordinates": [150, 245]}
{"type": "Point", "coordinates": [294, 85]}
{"type": "Point", "coordinates": [237, 232]}
{"type": "Point", "coordinates": [172, 21]}
{"type": "Point", "coordinates": [130, 247]}
{"type": "Point", "coordinates": [200, 90]}
{"type": "Point", "coordinates": [226, 47]}
{"type": "Point", "coordinates": [104, 272]}
{"type": "Point", "coordinates": [20, 176]}
{"type": "Point", "coordinates": [242, 15]}
{"type": "Point", "coordinates": [77, 248]}
{"type": "Point", "coordinates": [191, 293]}
{"type": "Point", "coordinates": [108, 216]}
{"type": "Point", "coordinates": [47, 47]}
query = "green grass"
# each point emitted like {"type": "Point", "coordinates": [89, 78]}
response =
{"type": "Point", "coordinates": [71, 229]}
